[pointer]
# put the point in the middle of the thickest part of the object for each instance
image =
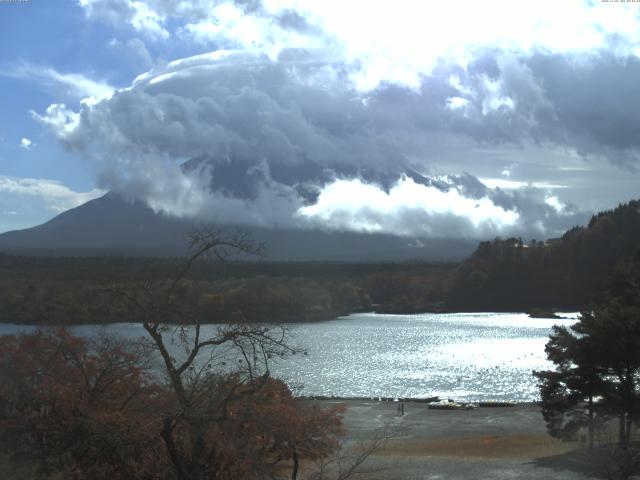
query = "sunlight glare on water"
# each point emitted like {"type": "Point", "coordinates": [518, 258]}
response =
{"type": "Point", "coordinates": [464, 356]}
{"type": "Point", "coordinates": [469, 356]}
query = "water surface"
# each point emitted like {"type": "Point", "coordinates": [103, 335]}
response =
{"type": "Point", "coordinates": [465, 356]}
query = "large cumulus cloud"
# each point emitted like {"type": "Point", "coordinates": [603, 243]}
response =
{"type": "Point", "coordinates": [262, 135]}
{"type": "Point", "coordinates": [334, 134]}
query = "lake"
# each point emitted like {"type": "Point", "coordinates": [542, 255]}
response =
{"type": "Point", "coordinates": [464, 356]}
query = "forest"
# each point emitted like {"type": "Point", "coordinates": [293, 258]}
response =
{"type": "Point", "coordinates": [43, 290]}
{"type": "Point", "coordinates": [568, 273]}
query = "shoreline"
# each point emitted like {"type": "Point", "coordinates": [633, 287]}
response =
{"type": "Point", "coordinates": [434, 403]}
{"type": "Point", "coordinates": [483, 443]}
{"type": "Point", "coordinates": [426, 400]}
{"type": "Point", "coordinates": [285, 322]}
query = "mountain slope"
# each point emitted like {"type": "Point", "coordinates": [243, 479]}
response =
{"type": "Point", "coordinates": [111, 225]}
{"type": "Point", "coordinates": [108, 224]}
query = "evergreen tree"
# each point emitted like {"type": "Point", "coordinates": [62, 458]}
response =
{"type": "Point", "coordinates": [597, 361]}
{"type": "Point", "coordinates": [569, 393]}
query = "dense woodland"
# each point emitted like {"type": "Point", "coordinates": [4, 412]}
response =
{"type": "Point", "coordinates": [594, 388]}
{"type": "Point", "coordinates": [80, 290]}
{"type": "Point", "coordinates": [568, 273]}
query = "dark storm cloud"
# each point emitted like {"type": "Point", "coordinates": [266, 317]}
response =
{"type": "Point", "coordinates": [586, 102]}
{"type": "Point", "coordinates": [280, 132]}
{"type": "Point", "coordinates": [595, 100]}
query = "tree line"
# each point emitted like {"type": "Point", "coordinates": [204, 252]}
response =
{"type": "Point", "coordinates": [567, 273]}
{"type": "Point", "coordinates": [55, 291]}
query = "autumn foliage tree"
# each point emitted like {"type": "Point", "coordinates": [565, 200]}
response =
{"type": "Point", "coordinates": [186, 402]}
{"type": "Point", "coordinates": [217, 378]}
{"type": "Point", "coordinates": [78, 409]}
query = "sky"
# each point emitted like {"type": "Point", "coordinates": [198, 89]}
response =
{"type": "Point", "coordinates": [420, 119]}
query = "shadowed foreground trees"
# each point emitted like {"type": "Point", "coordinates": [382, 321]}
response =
{"type": "Point", "coordinates": [597, 375]}
{"type": "Point", "coordinates": [79, 409]}
{"type": "Point", "coordinates": [91, 409]}
{"type": "Point", "coordinates": [96, 409]}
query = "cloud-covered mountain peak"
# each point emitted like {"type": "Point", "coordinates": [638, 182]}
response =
{"type": "Point", "coordinates": [294, 140]}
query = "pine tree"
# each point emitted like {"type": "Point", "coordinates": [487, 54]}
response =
{"type": "Point", "coordinates": [597, 361]}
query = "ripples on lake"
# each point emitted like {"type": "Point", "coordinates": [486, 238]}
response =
{"type": "Point", "coordinates": [469, 356]}
{"type": "Point", "coordinates": [474, 356]}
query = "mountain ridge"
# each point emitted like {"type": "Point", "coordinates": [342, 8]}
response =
{"type": "Point", "coordinates": [112, 225]}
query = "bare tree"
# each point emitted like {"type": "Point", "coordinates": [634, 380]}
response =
{"type": "Point", "coordinates": [204, 387]}
{"type": "Point", "coordinates": [349, 461]}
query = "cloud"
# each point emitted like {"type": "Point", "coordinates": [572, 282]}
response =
{"type": "Point", "coordinates": [72, 85]}
{"type": "Point", "coordinates": [136, 51]}
{"type": "Point", "coordinates": [527, 80]}
{"type": "Point", "coordinates": [514, 184]}
{"type": "Point", "coordinates": [452, 207]}
{"type": "Point", "coordinates": [26, 144]}
{"type": "Point", "coordinates": [405, 121]}
{"type": "Point", "coordinates": [296, 132]}
{"type": "Point", "coordinates": [395, 41]}
{"type": "Point", "coordinates": [402, 40]}
{"type": "Point", "coordinates": [61, 120]}
{"type": "Point", "coordinates": [231, 103]}
{"type": "Point", "coordinates": [407, 209]}
{"type": "Point", "coordinates": [54, 195]}
{"type": "Point", "coordinates": [595, 101]}
{"type": "Point", "coordinates": [139, 15]}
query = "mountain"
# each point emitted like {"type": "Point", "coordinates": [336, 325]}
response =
{"type": "Point", "coordinates": [567, 273]}
{"type": "Point", "coordinates": [111, 225]}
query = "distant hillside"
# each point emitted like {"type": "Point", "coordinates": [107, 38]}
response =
{"type": "Point", "coordinates": [566, 273]}
{"type": "Point", "coordinates": [111, 225]}
{"type": "Point", "coordinates": [73, 290]}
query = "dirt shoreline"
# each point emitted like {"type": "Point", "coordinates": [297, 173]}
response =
{"type": "Point", "coordinates": [427, 400]}
{"type": "Point", "coordinates": [483, 443]}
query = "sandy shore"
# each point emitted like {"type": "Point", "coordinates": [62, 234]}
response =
{"type": "Point", "coordinates": [485, 443]}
